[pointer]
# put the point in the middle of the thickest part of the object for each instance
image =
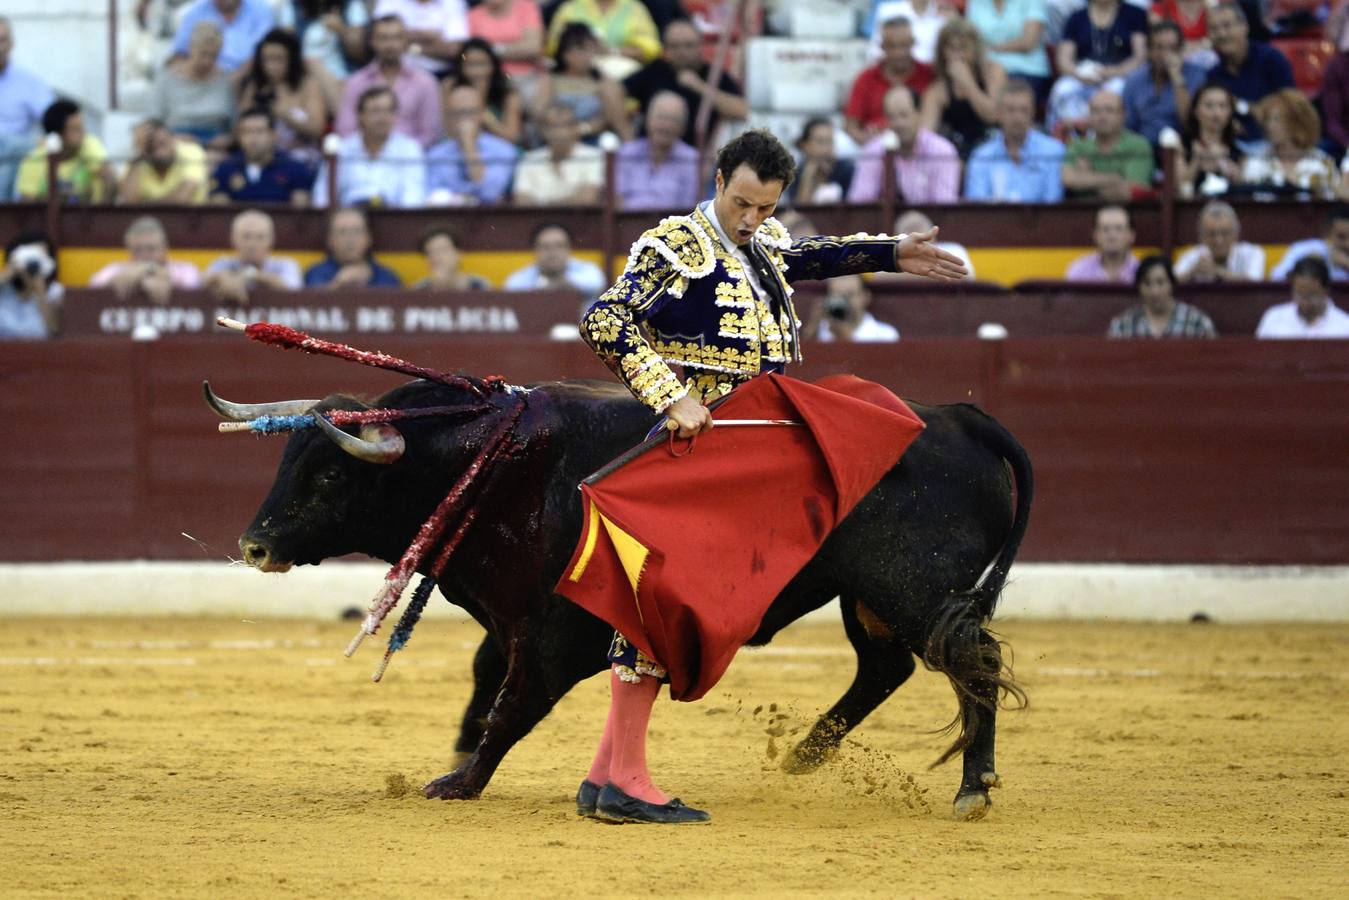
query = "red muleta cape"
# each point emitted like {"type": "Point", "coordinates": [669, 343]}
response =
{"type": "Point", "coordinates": [684, 555]}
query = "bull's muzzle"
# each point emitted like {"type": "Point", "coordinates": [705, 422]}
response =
{"type": "Point", "coordinates": [258, 555]}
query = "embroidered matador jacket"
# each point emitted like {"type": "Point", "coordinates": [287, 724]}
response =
{"type": "Point", "coordinates": [694, 298]}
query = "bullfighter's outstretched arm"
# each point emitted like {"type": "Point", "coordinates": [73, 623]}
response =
{"type": "Point", "coordinates": [611, 328]}
{"type": "Point", "coordinates": [811, 258]}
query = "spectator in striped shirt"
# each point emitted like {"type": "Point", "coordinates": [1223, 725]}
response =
{"type": "Point", "coordinates": [1160, 315]}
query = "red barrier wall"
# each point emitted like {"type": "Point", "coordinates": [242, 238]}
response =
{"type": "Point", "coordinates": [1231, 451]}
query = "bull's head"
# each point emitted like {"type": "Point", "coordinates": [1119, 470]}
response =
{"type": "Point", "coordinates": [328, 487]}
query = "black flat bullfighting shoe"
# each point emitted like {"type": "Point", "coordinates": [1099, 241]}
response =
{"type": "Point", "coordinates": [615, 806]}
{"type": "Point", "coordinates": [587, 795]}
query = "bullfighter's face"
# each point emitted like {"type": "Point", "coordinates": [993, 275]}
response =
{"type": "Point", "coordinates": [743, 202]}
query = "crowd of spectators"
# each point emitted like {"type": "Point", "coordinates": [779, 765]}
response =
{"type": "Point", "coordinates": [356, 104]}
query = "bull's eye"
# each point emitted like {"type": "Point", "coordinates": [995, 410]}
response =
{"type": "Point", "coordinates": [330, 476]}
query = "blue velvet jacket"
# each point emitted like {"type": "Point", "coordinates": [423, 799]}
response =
{"type": "Point", "coordinates": [695, 300]}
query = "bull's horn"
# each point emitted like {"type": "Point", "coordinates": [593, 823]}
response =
{"type": "Point", "coordinates": [380, 444]}
{"type": "Point", "coordinates": [242, 412]}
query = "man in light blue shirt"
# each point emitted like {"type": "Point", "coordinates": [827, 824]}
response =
{"type": "Point", "coordinates": [242, 24]}
{"type": "Point", "coordinates": [23, 98]}
{"type": "Point", "coordinates": [471, 166]}
{"type": "Point", "coordinates": [555, 269]}
{"type": "Point", "coordinates": [1333, 247]}
{"type": "Point", "coordinates": [1018, 165]}
{"type": "Point", "coordinates": [1158, 95]}
{"type": "Point", "coordinates": [376, 166]}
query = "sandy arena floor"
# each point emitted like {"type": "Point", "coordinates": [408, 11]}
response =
{"type": "Point", "coordinates": [198, 758]}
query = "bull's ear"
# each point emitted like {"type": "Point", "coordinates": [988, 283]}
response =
{"type": "Point", "coordinates": [242, 412]}
{"type": "Point", "coordinates": [379, 444]}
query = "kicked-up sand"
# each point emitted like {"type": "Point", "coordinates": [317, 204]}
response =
{"type": "Point", "coordinates": [226, 758]}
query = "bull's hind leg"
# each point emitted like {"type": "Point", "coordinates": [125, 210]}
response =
{"type": "Point", "coordinates": [883, 664]}
{"type": "Point", "coordinates": [978, 771]}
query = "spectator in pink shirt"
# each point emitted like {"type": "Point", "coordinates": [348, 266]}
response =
{"type": "Point", "coordinates": [1114, 259]}
{"type": "Point", "coordinates": [514, 28]}
{"type": "Point", "coordinates": [149, 275]}
{"type": "Point", "coordinates": [418, 92]}
{"type": "Point", "coordinates": [927, 165]}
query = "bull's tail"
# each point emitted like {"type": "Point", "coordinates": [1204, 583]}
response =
{"type": "Point", "coordinates": [958, 643]}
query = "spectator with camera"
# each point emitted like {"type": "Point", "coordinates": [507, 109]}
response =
{"type": "Point", "coordinates": [83, 173]}
{"type": "Point", "coordinates": [30, 295]}
{"type": "Point", "coordinates": [149, 275]}
{"type": "Point", "coordinates": [844, 315]}
{"type": "Point", "coordinates": [258, 172]}
{"type": "Point", "coordinates": [252, 266]}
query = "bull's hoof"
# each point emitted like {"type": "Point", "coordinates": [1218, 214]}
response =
{"type": "Point", "coordinates": [971, 807]}
{"type": "Point", "coordinates": [453, 786]}
{"type": "Point", "coordinates": [972, 804]}
{"type": "Point", "coordinates": [803, 759]}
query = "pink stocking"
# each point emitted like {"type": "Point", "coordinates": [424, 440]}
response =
{"type": "Point", "coordinates": [599, 768]}
{"type": "Point", "coordinates": [629, 714]}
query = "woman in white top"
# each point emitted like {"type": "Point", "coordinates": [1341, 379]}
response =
{"type": "Point", "coordinates": [1292, 163]}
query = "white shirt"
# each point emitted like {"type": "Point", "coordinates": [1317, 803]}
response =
{"type": "Point", "coordinates": [447, 17]}
{"type": "Point", "coordinates": [869, 330]}
{"type": "Point", "coordinates": [1282, 321]}
{"type": "Point", "coordinates": [537, 176]}
{"type": "Point", "coordinates": [1244, 259]}
{"type": "Point", "coordinates": [397, 176]}
{"type": "Point", "coordinates": [734, 249]}
{"type": "Point", "coordinates": [586, 277]}
{"type": "Point", "coordinates": [925, 27]}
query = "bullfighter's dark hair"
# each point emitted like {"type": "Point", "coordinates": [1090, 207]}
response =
{"type": "Point", "coordinates": [56, 116]}
{"type": "Point", "coordinates": [547, 226]}
{"type": "Point", "coordinates": [762, 152]}
{"type": "Point", "coordinates": [1148, 263]}
{"type": "Point", "coordinates": [1311, 267]}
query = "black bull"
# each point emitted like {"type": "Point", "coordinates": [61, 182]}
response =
{"type": "Point", "coordinates": [906, 562]}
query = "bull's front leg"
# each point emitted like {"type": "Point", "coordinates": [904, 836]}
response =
{"type": "Point", "coordinates": [489, 673]}
{"type": "Point", "coordinates": [521, 704]}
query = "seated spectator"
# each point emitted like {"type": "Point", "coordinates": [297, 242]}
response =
{"type": "Point", "coordinates": [252, 265]}
{"type": "Point", "coordinates": [376, 166]}
{"type": "Point", "coordinates": [1102, 44]}
{"type": "Point", "coordinates": [1113, 164]}
{"type": "Point", "coordinates": [149, 276]}
{"type": "Point", "coordinates": [1014, 32]}
{"type": "Point", "coordinates": [1158, 95]}
{"type": "Point", "coordinates": [279, 81]}
{"type": "Point", "coordinates": [1220, 255]}
{"type": "Point", "coordinates": [514, 29]}
{"type": "Point", "coordinates": [926, 18]}
{"type": "Point", "coordinates": [624, 27]}
{"type": "Point", "coordinates": [822, 177]}
{"type": "Point", "coordinates": [349, 263]}
{"type": "Point", "coordinates": [503, 110]}
{"type": "Point", "coordinates": [436, 29]}
{"type": "Point", "coordinates": [555, 269]}
{"type": "Point", "coordinates": [83, 173]}
{"type": "Point", "coordinates": [864, 113]}
{"type": "Point", "coordinates": [1019, 164]}
{"type": "Point", "coordinates": [844, 316]}
{"type": "Point", "coordinates": [1332, 247]}
{"type": "Point", "coordinates": [167, 168]}
{"type": "Point", "coordinates": [1251, 70]}
{"type": "Point", "coordinates": [683, 70]}
{"type": "Point", "coordinates": [23, 99]}
{"type": "Point", "coordinates": [30, 294]}
{"type": "Point", "coordinates": [1114, 260]}
{"type": "Point", "coordinates": [257, 173]}
{"type": "Point", "coordinates": [242, 24]}
{"type": "Point", "coordinates": [332, 36]}
{"type": "Point", "coordinates": [1291, 163]}
{"type": "Point", "coordinates": [194, 96]}
{"type": "Point", "coordinates": [563, 171]}
{"type": "Point", "coordinates": [419, 108]}
{"type": "Point", "coordinates": [927, 166]}
{"type": "Point", "coordinates": [914, 221]}
{"type": "Point", "coordinates": [1210, 161]}
{"type": "Point", "coordinates": [441, 249]}
{"type": "Point", "coordinates": [961, 104]}
{"type": "Point", "coordinates": [1311, 313]}
{"type": "Point", "coordinates": [574, 80]}
{"type": "Point", "coordinates": [659, 171]}
{"type": "Point", "coordinates": [471, 166]}
{"type": "Point", "coordinates": [1190, 17]}
{"type": "Point", "coordinates": [1334, 98]}
{"type": "Point", "coordinates": [1160, 315]}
